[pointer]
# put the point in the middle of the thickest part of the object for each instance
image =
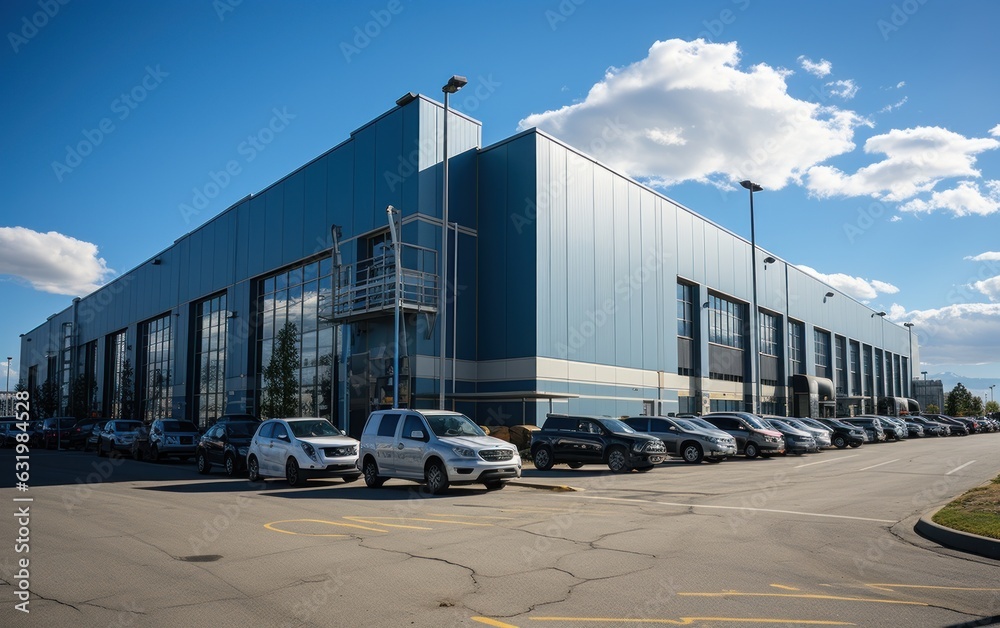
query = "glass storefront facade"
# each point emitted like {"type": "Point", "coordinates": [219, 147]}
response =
{"type": "Point", "coordinates": [210, 323]}
{"type": "Point", "coordinates": [155, 368]}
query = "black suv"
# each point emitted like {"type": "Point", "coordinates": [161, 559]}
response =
{"type": "Point", "coordinates": [580, 440]}
{"type": "Point", "coordinates": [226, 444]}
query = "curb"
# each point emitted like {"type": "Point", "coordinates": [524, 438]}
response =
{"type": "Point", "coordinates": [956, 539]}
{"type": "Point", "coordinates": [561, 488]}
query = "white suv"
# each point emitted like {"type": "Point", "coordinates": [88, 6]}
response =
{"type": "Point", "coordinates": [436, 447]}
{"type": "Point", "coordinates": [301, 448]}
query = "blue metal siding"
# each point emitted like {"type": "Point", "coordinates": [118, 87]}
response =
{"type": "Point", "coordinates": [580, 257]}
{"type": "Point", "coordinates": [364, 181]}
{"type": "Point", "coordinates": [604, 272]}
{"type": "Point", "coordinates": [292, 192]}
{"type": "Point", "coordinates": [518, 250]}
{"type": "Point", "coordinates": [622, 266]}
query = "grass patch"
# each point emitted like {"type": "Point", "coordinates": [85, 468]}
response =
{"type": "Point", "coordinates": [977, 511]}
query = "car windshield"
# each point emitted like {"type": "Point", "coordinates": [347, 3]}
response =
{"type": "Point", "coordinates": [702, 423]}
{"type": "Point", "coordinates": [319, 427]}
{"type": "Point", "coordinates": [774, 424]}
{"type": "Point", "coordinates": [614, 425]}
{"type": "Point", "coordinates": [128, 426]}
{"type": "Point", "coordinates": [453, 425]}
{"type": "Point", "coordinates": [755, 422]}
{"type": "Point", "coordinates": [241, 429]}
{"type": "Point", "coordinates": [687, 425]}
{"type": "Point", "coordinates": [179, 426]}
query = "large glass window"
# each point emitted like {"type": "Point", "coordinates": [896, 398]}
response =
{"type": "Point", "coordinates": [115, 353]}
{"type": "Point", "coordinates": [685, 310]}
{"type": "Point", "coordinates": [897, 379]}
{"type": "Point", "coordinates": [301, 296]}
{"type": "Point", "coordinates": [821, 344]}
{"type": "Point", "coordinates": [155, 368]}
{"type": "Point", "coordinates": [841, 350]}
{"type": "Point", "coordinates": [796, 347]}
{"type": "Point", "coordinates": [866, 364]}
{"type": "Point", "coordinates": [210, 319]}
{"type": "Point", "coordinates": [879, 374]}
{"type": "Point", "coordinates": [769, 334]}
{"type": "Point", "coordinates": [855, 366]}
{"type": "Point", "coordinates": [727, 322]}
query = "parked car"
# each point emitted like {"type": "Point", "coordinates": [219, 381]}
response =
{"type": "Point", "coordinates": [913, 429]}
{"type": "Point", "coordinates": [8, 432]}
{"type": "Point", "coordinates": [93, 433]}
{"type": "Point", "coordinates": [580, 440]}
{"type": "Point", "coordinates": [56, 431]}
{"type": "Point", "coordinates": [35, 433]}
{"type": "Point", "coordinates": [243, 418]}
{"type": "Point", "coordinates": [226, 444]}
{"type": "Point", "coordinates": [871, 425]}
{"type": "Point", "coordinates": [80, 431]}
{"type": "Point", "coordinates": [687, 440]}
{"type": "Point", "coordinates": [893, 431]}
{"type": "Point", "coordinates": [301, 448]}
{"type": "Point", "coordinates": [170, 438]}
{"type": "Point", "coordinates": [956, 427]}
{"type": "Point", "coordinates": [844, 434]}
{"type": "Point", "coordinates": [931, 428]}
{"type": "Point", "coordinates": [117, 436]}
{"type": "Point", "coordinates": [797, 441]}
{"type": "Point", "coordinates": [437, 447]}
{"type": "Point", "coordinates": [821, 434]}
{"type": "Point", "coordinates": [753, 437]}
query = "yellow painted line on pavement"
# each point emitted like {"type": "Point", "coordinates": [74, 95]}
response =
{"type": "Point", "coordinates": [458, 523]}
{"type": "Point", "coordinates": [271, 526]}
{"type": "Point", "coordinates": [493, 622]}
{"type": "Point", "coordinates": [445, 514]}
{"type": "Point", "coordinates": [926, 586]}
{"type": "Point", "coordinates": [687, 621]}
{"type": "Point", "coordinates": [810, 596]}
{"type": "Point", "coordinates": [781, 586]}
{"type": "Point", "coordinates": [387, 525]}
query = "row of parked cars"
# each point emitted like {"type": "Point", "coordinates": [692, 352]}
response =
{"type": "Point", "coordinates": [441, 448]}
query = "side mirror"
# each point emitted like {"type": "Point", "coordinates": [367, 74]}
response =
{"type": "Point", "coordinates": [417, 435]}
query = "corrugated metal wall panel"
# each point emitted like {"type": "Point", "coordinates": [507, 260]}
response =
{"type": "Point", "coordinates": [635, 262]}
{"type": "Point", "coordinates": [364, 180]}
{"type": "Point", "coordinates": [539, 217]}
{"type": "Point", "coordinates": [315, 228]}
{"type": "Point", "coordinates": [649, 278]}
{"type": "Point", "coordinates": [340, 194]}
{"type": "Point", "coordinates": [604, 272]}
{"type": "Point", "coordinates": [581, 250]}
{"type": "Point", "coordinates": [519, 252]}
{"type": "Point", "coordinates": [257, 213]}
{"type": "Point", "coordinates": [273, 239]}
{"type": "Point", "coordinates": [558, 273]}
{"type": "Point", "coordinates": [492, 291]}
{"type": "Point", "coordinates": [389, 167]}
{"type": "Point", "coordinates": [293, 192]}
{"type": "Point", "coordinates": [622, 266]}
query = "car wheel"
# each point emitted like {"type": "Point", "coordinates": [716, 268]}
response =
{"type": "Point", "coordinates": [575, 465]}
{"type": "Point", "coordinates": [203, 465]}
{"type": "Point", "coordinates": [495, 485]}
{"type": "Point", "coordinates": [543, 458]}
{"type": "Point", "coordinates": [839, 442]}
{"type": "Point", "coordinates": [292, 473]}
{"type": "Point", "coordinates": [370, 471]}
{"type": "Point", "coordinates": [231, 466]}
{"type": "Point", "coordinates": [100, 449]}
{"type": "Point", "coordinates": [751, 450]}
{"type": "Point", "coordinates": [351, 478]}
{"type": "Point", "coordinates": [618, 460]}
{"type": "Point", "coordinates": [436, 478]}
{"type": "Point", "coordinates": [154, 454]}
{"type": "Point", "coordinates": [692, 453]}
{"type": "Point", "coordinates": [253, 469]}
{"type": "Point", "coordinates": [855, 444]}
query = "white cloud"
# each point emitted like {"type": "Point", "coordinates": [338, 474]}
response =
{"type": "Point", "coordinates": [900, 84]}
{"type": "Point", "coordinates": [861, 289]}
{"type": "Point", "coordinates": [963, 200]}
{"type": "Point", "coordinates": [52, 262]}
{"type": "Point", "coordinates": [916, 159]}
{"type": "Point", "coordinates": [995, 131]}
{"type": "Point", "coordinates": [988, 256]}
{"type": "Point", "coordinates": [965, 333]}
{"type": "Point", "coordinates": [990, 287]}
{"type": "Point", "coordinates": [819, 68]}
{"type": "Point", "coordinates": [895, 219]}
{"type": "Point", "coordinates": [895, 105]}
{"type": "Point", "coordinates": [846, 89]}
{"type": "Point", "coordinates": [735, 123]}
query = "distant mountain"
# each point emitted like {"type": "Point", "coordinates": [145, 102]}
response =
{"type": "Point", "coordinates": [978, 386]}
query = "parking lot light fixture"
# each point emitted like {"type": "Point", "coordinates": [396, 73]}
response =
{"type": "Point", "coordinates": [454, 84]}
{"type": "Point", "coordinates": [755, 338]}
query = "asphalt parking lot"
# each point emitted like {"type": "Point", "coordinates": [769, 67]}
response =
{"type": "Point", "coordinates": [823, 539]}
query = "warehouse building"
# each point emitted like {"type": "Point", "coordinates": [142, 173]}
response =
{"type": "Point", "coordinates": [569, 287]}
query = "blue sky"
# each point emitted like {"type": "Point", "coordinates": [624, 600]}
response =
{"type": "Point", "coordinates": [873, 127]}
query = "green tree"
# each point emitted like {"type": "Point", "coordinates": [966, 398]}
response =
{"type": "Point", "coordinates": [958, 402]}
{"type": "Point", "coordinates": [976, 409]}
{"type": "Point", "coordinates": [932, 409]}
{"type": "Point", "coordinates": [47, 399]}
{"type": "Point", "coordinates": [126, 394]}
{"type": "Point", "coordinates": [82, 395]}
{"type": "Point", "coordinates": [281, 382]}
{"type": "Point", "coordinates": [992, 406]}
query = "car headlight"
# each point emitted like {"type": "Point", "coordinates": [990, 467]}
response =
{"type": "Point", "coordinates": [172, 440]}
{"type": "Point", "coordinates": [306, 447]}
{"type": "Point", "coordinates": [242, 451]}
{"type": "Point", "coordinates": [713, 439]}
{"type": "Point", "coordinates": [463, 452]}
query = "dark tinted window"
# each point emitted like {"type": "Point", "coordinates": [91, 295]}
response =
{"type": "Point", "coordinates": [280, 432]}
{"type": "Point", "coordinates": [214, 433]}
{"type": "Point", "coordinates": [412, 424]}
{"type": "Point", "coordinates": [658, 425]}
{"type": "Point", "coordinates": [179, 426]}
{"type": "Point", "coordinates": [266, 430]}
{"type": "Point", "coordinates": [639, 423]}
{"type": "Point", "coordinates": [388, 425]}
{"type": "Point", "coordinates": [240, 429]}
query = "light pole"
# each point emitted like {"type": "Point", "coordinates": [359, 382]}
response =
{"type": "Point", "coordinates": [9, 411]}
{"type": "Point", "coordinates": [992, 386]}
{"type": "Point", "coordinates": [391, 213]}
{"type": "Point", "coordinates": [881, 366]}
{"type": "Point", "coordinates": [454, 84]}
{"type": "Point", "coordinates": [924, 373]}
{"type": "Point", "coordinates": [755, 338]}
{"type": "Point", "coordinates": [909, 360]}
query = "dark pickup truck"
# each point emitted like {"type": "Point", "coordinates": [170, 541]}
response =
{"type": "Point", "coordinates": [580, 440]}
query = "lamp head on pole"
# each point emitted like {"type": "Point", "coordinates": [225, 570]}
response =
{"type": "Point", "coordinates": [454, 84]}
{"type": "Point", "coordinates": [750, 185]}
{"type": "Point", "coordinates": [877, 314]}
{"type": "Point", "coordinates": [907, 324]}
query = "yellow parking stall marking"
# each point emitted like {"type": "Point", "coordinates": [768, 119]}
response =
{"type": "Point", "coordinates": [493, 622]}
{"type": "Point", "coordinates": [889, 587]}
{"type": "Point", "coordinates": [444, 514]}
{"type": "Point", "coordinates": [273, 524]}
{"type": "Point", "coordinates": [387, 525]}
{"type": "Point", "coordinates": [781, 586]}
{"type": "Point", "coordinates": [378, 521]}
{"type": "Point", "coordinates": [810, 596]}
{"type": "Point", "coordinates": [687, 621]}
